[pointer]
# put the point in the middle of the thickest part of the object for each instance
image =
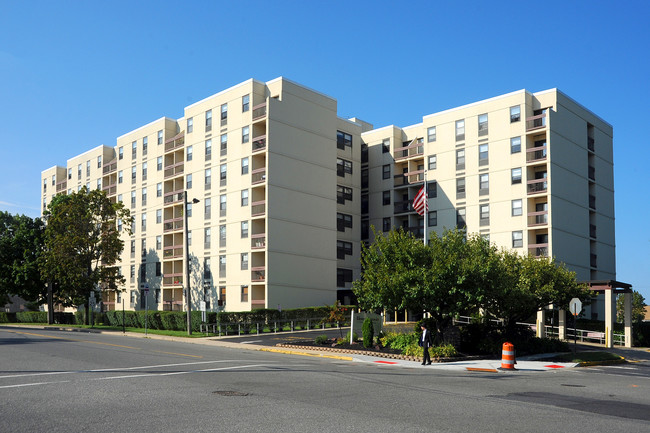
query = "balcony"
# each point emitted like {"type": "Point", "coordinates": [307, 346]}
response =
{"type": "Point", "coordinates": [258, 176]}
{"type": "Point", "coordinates": [537, 186]}
{"type": "Point", "coordinates": [411, 178]}
{"type": "Point", "coordinates": [592, 231]}
{"type": "Point", "coordinates": [61, 186]}
{"type": "Point", "coordinates": [173, 279]}
{"type": "Point", "coordinates": [535, 154]}
{"type": "Point", "coordinates": [258, 274]}
{"type": "Point", "coordinates": [418, 232]}
{"type": "Point", "coordinates": [259, 143]}
{"type": "Point", "coordinates": [175, 142]}
{"type": "Point", "coordinates": [173, 197]}
{"type": "Point", "coordinates": [539, 218]}
{"type": "Point", "coordinates": [173, 224]}
{"type": "Point", "coordinates": [174, 169]}
{"type": "Point", "coordinates": [173, 251]}
{"type": "Point", "coordinates": [402, 206]}
{"type": "Point", "coordinates": [258, 208]}
{"type": "Point", "coordinates": [412, 150]}
{"type": "Point", "coordinates": [538, 250]}
{"type": "Point", "coordinates": [591, 144]}
{"type": "Point", "coordinates": [536, 122]}
{"type": "Point", "coordinates": [259, 112]}
{"type": "Point", "coordinates": [110, 189]}
{"type": "Point", "coordinates": [258, 242]}
{"type": "Point", "coordinates": [110, 167]}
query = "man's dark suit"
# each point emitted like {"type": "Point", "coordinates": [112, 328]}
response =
{"type": "Point", "coordinates": [425, 342]}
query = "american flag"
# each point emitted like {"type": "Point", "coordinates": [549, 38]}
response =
{"type": "Point", "coordinates": [420, 202]}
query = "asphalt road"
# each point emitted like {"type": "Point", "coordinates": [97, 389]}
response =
{"type": "Point", "coordinates": [272, 339]}
{"type": "Point", "coordinates": [73, 382]}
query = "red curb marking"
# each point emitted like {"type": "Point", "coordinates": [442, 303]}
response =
{"type": "Point", "coordinates": [554, 366]}
{"type": "Point", "coordinates": [385, 362]}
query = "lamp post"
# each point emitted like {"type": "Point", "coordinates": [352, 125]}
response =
{"type": "Point", "coordinates": [188, 293]}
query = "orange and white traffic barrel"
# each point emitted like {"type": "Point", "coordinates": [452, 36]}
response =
{"type": "Point", "coordinates": [508, 356]}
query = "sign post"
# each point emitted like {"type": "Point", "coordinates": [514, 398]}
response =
{"type": "Point", "coordinates": [575, 307]}
{"type": "Point", "coordinates": [146, 306]}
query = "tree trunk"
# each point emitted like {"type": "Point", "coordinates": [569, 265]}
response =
{"type": "Point", "coordinates": [50, 304]}
{"type": "Point", "coordinates": [87, 308]}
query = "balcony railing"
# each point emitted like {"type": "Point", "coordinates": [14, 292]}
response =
{"type": "Point", "coordinates": [536, 154]}
{"type": "Point", "coordinates": [173, 197]}
{"type": "Point", "coordinates": [536, 122]}
{"type": "Point", "coordinates": [258, 176]}
{"type": "Point", "coordinates": [409, 151]}
{"type": "Point", "coordinates": [110, 167]}
{"type": "Point", "coordinates": [258, 273]}
{"type": "Point", "coordinates": [538, 250]}
{"type": "Point", "coordinates": [412, 178]}
{"type": "Point", "coordinates": [537, 218]}
{"type": "Point", "coordinates": [418, 232]}
{"type": "Point", "coordinates": [592, 231]}
{"type": "Point", "coordinates": [537, 186]}
{"type": "Point", "coordinates": [110, 189]}
{"type": "Point", "coordinates": [258, 208]}
{"type": "Point", "coordinates": [173, 224]}
{"type": "Point", "coordinates": [258, 241]}
{"type": "Point", "coordinates": [175, 142]}
{"type": "Point", "coordinates": [259, 111]}
{"type": "Point", "coordinates": [173, 251]}
{"type": "Point", "coordinates": [259, 143]}
{"type": "Point", "coordinates": [174, 169]}
{"type": "Point", "coordinates": [173, 279]}
{"type": "Point", "coordinates": [61, 186]}
{"type": "Point", "coordinates": [402, 206]}
{"type": "Point", "coordinates": [591, 143]}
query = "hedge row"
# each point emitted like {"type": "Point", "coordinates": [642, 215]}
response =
{"type": "Point", "coordinates": [272, 315]}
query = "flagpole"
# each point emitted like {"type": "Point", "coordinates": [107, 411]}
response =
{"type": "Point", "coordinates": [426, 207]}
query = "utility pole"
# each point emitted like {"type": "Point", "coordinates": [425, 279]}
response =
{"type": "Point", "coordinates": [188, 293]}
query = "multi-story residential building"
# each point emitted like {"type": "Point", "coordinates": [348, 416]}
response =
{"type": "Point", "coordinates": [281, 191]}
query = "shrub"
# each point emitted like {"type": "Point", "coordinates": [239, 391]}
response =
{"type": "Point", "coordinates": [321, 339]}
{"type": "Point", "coordinates": [641, 334]}
{"type": "Point", "coordinates": [31, 317]}
{"type": "Point", "coordinates": [399, 341]}
{"type": "Point", "coordinates": [368, 332]}
{"type": "Point", "coordinates": [355, 337]}
{"type": "Point", "coordinates": [7, 317]}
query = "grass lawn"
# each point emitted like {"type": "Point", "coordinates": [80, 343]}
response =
{"type": "Point", "coordinates": [127, 329]}
{"type": "Point", "coordinates": [581, 357]}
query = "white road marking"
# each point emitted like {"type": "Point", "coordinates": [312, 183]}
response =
{"type": "Point", "coordinates": [179, 372]}
{"type": "Point", "coordinates": [31, 384]}
{"type": "Point", "coordinates": [248, 342]}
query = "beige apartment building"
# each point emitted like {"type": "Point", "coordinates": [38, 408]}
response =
{"type": "Point", "coordinates": [281, 191]}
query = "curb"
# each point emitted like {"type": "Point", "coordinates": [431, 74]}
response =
{"type": "Point", "coordinates": [595, 363]}
{"type": "Point", "coordinates": [316, 355]}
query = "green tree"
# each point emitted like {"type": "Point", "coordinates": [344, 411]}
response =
{"type": "Point", "coordinates": [638, 307]}
{"type": "Point", "coordinates": [82, 245]}
{"type": "Point", "coordinates": [21, 244]}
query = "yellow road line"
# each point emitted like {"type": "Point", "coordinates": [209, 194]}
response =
{"type": "Point", "coordinates": [74, 339]}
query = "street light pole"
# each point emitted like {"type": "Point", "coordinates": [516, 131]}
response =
{"type": "Point", "coordinates": [188, 293]}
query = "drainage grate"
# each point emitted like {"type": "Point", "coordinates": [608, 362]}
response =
{"type": "Point", "coordinates": [230, 393]}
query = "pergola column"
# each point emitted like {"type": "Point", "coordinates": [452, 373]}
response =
{"type": "Point", "coordinates": [610, 314]}
{"type": "Point", "coordinates": [627, 298]}
{"type": "Point", "coordinates": [541, 322]}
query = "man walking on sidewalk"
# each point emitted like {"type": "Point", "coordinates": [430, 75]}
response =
{"type": "Point", "coordinates": [425, 342]}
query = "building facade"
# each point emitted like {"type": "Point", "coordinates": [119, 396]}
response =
{"type": "Point", "coordinates": [287, 190]}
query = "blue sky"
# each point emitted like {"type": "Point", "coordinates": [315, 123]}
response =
{"type": "Point", "coordinates": [74, 75]}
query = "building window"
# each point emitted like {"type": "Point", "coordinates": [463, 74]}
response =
{"type": "Point", "coordinates": [244, 165]}
{"type": "Point", "coordinates": [433, 219]}
{"type": "Point", "coordinates": [189, 238]}
{"type": "Point", "coordinates": [517, 207]}
{"type": "Point", "coordinates": [189, 210]}
{"type": "Point", "coordinates": [483, 157]}
{"type": "Point", "coordinates": [208, 178]}
{"type": "Point", "coordinates": [432, 189]}
{"type": "Point", "coordinates": [385, 224]}
{"type": "Point", "coordinates": [244, 229]}
{"type": "Point", "coordinates": [190, 125]}
{"type": "Point", "coordinates": [158, 216]}
{"type": "Point", "coordinates": [244, 197]}
{"type": "Point", "coordinates": [143, 218]}
{"type": "Point", "coordinates": [364, 203]}
{"type": "Point", "coordinates": [385, 172]}
{"type": "Point", "coordinates": [224, 114]}
{"type": "Point", "coordinates": [159, 189]}
{"type": "Point", "coordinates": [208, 150]}
{"type": "Point", "coordinates": [160, 137]}
{"type": "Point", "coordinates": [460, 130]}
{"type": "Point", "coordinates": [120, 176]}
{"type": "Point", "coordinates": [207, 235]}
{"type": "Point", "coordinates": [99, 184]}
{"type": "Point", "coordinates": [484, 184]}
{"type": "Point", "coordinates": [460, 159]}
{"type": "Point", "coordinates": [385, 145]}
{"type": "Point", "coordinates": [343, 193]}
{"type": "Point", "coordinates": [144, 196]}
{"type": "Point", "coordinates": [245, 103]}
{"type": "Point", "coordinates": [460, 188]}
{"type": "Point", "coordinates": [70, 172]}
{"type": "Point", "coordinates": [99, 164]}
{"type": "Point", "coordinates": [343, 249]}
{"type": "Point", "coordinates": [207, 208]}
{"type": "Point", "coordinates": [159, 163]}
{"type": "Point", "coordinates": [223, 150]}
{"type": "Point", "coordinates": [343, 221]}
{"type": "Point", "coordinates": [222, 205]}
{"type": "Point", "coordinates": [120, 153]}
{"type": "Point", "coordinates": [134, 172]}
{"type": "Point", "coordinates": [460, 218]}
{"type": "Point", "coordinates": [244, 293]}
{"type": "Point", "coordinates": [343, 166]}
{"type": "Point", "coordinates": [515, 145]}
{"type": "Point", "coordinates": [188, 181]}
{"type": "Point", "coordinates": [79, 171]}
{"type": "Point", "coordinates": [343, 276]}
{"type": "Point", "coordinates": [222, 174]}
{"type": "Point", "coordinates": [144, 171]}
{"type": "Point", "coordinates": [343, 139]}
{"type": "Point", "coordinates": [132, 247]}
{"type": "Point", "coordinates": [143, 247]}
{"type": "Point", "coordinates": [132, 199]}
{"type": "Point", "coordinates": [365, 229]}
{"type": "Point", "coordinates": [482, 125]}
{"type": "Point", "coordinates": [517, 239]}
{"type": "Point", "coordinates": [87, 168]}
{"type": "Point", "coordinates": [158, 274]}
{"type": "Point", "coordinates": [132, 276]}
{"type": "Point", "coordinates": [245, 134]}
{"type": "Point", "coordinates": [145, 145]}
{"type": "Point", "coordinates": [134, 149]}
{"type": "Point", "coordinates": [515, 114]}
{"type": "Point", "coordinates": [208, 121]}
{"type": "Point", "coordinates": [516, 175]}
{"type": "Point", "coordinates": [433, 162]}
{"type": "Point", "coordinates": [190, 153]}
{"type": "Point", "coordinates": [484, 215]}
{"type": "Point", "coordinates": [431, 134]}
{"type": "Point", "coordinates": [385, 198]}
{"type": "Point", "coordinates": [244, 261]}
{"type": "Point", "coordinates": [222, 235]}
{"type": "Point", "coordinates": [222, 265]}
